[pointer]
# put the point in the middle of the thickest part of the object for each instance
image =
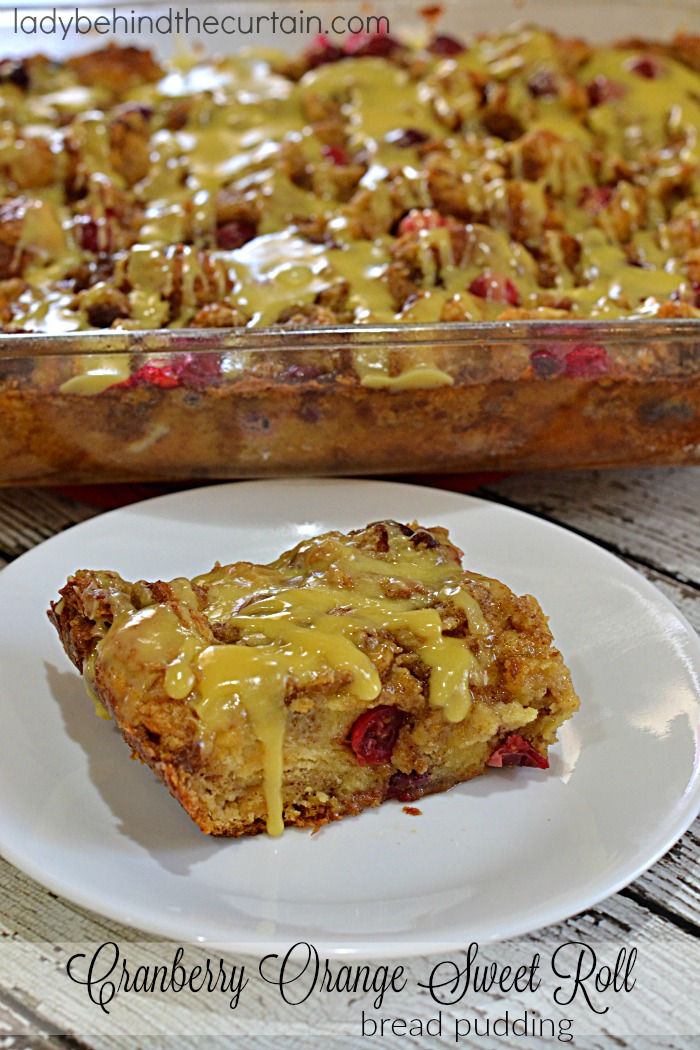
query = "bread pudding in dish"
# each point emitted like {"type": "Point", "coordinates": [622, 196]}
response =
{"type": "Point", "coordinates": [483, 251]}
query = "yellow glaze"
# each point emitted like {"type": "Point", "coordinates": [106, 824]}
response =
{"type": "Point", "coordinates": [100, 372]}
{"type": "Point", "coordinates": [301, 618]}
{"type": "Point", "coordinates": [89, 671]}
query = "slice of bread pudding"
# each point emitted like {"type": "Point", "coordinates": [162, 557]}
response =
{"type": "Point", "coordinates": [353, 669]}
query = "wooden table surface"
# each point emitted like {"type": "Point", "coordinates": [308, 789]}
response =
{"type": "Point", "coordinates": [651, 519]}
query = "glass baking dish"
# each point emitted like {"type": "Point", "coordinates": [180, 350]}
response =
{"type": "Point", "coordinates": [390, 398]}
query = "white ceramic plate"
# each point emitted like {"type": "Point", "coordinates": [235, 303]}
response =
{"type": "Point", "coordinates": [501, 856]}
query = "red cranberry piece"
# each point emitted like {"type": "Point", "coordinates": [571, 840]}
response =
{"type": "Point", "coordinates": [595, 198]}
{"type": "Point", "coordinates": [199, 370]}
{"type": "Point", "coordinates": [153, 373]}
{"type": "Point", "coordinates": [417, 220]}
{"type": "Point", "coordinates": [647, 66]}
{"type": "Point", "coordinates": [495, 287]}
{"type": "Point", "coordinates": [372, 45]}
{"type": "Point", "coordinates": [602, 89]}
{"type": "Point", "coordinates": [86, 235]}
{"type": "Point", "coordinates": [543, 84]}
{"type": "Point", "coordinates": [189, 370]}
{"type": "Point", "coordinates": [321, 52]}
{"type": "Point", "coordinates": [374, 734]}
{"type": "Point", "coordinates": [234, 234]}
{"type": "Point", "coordinates": [404, 138]}
{"type": "Point", "coordinates": [407, 787]}
{"type": "Point", "coordinates": [545, 363]}
{"type": "Point", "coordinates": [94, 235]}
{"type": "Point", "coordinates": [587, 361]}
{"type": "Point", "coordinates": [517, 752]}
{"type": "Point", "coordinates": [445, 45]}
{"type": "Point", "coordinates": [337, 155]}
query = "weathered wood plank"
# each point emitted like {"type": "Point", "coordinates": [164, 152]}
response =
{"type": "Point", "coordinates": [649, 515]}
{"type": "Point", "coordinates": [28, 516]}
{"type": "Point", "coordinates": [674, 881]}
{"type": "Point", "coordinates": [46, 932]}
{"type": "Point", "coordinates": [19, 1029]}
{"type": "Point", "coordinates": [685, 598]}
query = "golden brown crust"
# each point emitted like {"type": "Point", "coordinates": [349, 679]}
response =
{"type": "Point", "coordinates": [117, 68]}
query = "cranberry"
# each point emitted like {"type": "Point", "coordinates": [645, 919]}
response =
{"type": "Point", "coordinates": [374, 734]}
{"type": "Point", "coordinates": [543, 84]}
{"type": "Point", "coordinates": [321, 52]}
{"type": "Point", "coordinates": [235, 234]}
{"type": "Point", "coordinates": [602, 89]}
{"type": "Point", "coordinates": [646, 66]}
{"type": "Point", "coordinates": [595, 198]}
{"type": "Point", "coordinates": [93, 234]}
{"type": "Point", "coordinates": [189, 370]}
{"type": "Point", "coordinates": [153, 373]}
{"type": "Point", "coordinates": [445, 45]}
{"type": "Point", "coordinates": [517, 752]}
{"type": "Point", "coordinates": [371, 45]}
{"type": "Point", "coordinates": [337, 155]}
{"type": "Point", "coordinates": [417, 220]}
{"type": "Point", "coordinates": [86, 234]}
{"type": "Point", "coordinates": [495, 287]}
{"type": "Point", "coordinates": [587, 361]}
{"type": "Point", "coordinates": [546, 364]}
{"type": "Point", "coordinates": [407, 787]}
{"type": "Point", "coordinates": [198, 370]}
